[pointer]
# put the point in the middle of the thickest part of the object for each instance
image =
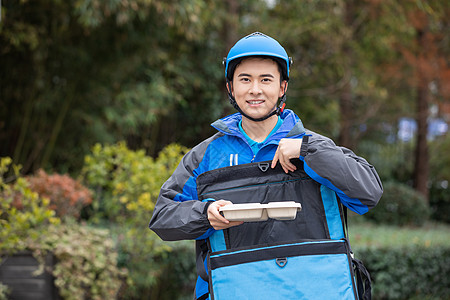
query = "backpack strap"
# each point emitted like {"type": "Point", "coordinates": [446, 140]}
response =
{"type": "Point", "coordinates": [202, 250]}
{"type": "Point", "coordinates": [362, 276]}
{"type": "Point", "coordinates": [363, 280]}
{"type": "Point", "coordinates": [216, 242]}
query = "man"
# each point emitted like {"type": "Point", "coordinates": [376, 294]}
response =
{"type": "Point", "coordinates": [257, 74]}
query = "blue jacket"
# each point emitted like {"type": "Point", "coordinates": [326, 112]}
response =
{"type": "Point", "coordinates": [178, 214]}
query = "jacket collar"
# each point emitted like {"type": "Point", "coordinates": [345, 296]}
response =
{"type": "Point", "coordinates": [292, 125]}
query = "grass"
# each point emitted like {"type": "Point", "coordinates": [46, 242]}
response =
{"type": "Point", "coordinates": [368, 234]}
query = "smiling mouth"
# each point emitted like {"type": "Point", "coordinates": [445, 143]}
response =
{"type": "Point", "coordinates": [253, 102]}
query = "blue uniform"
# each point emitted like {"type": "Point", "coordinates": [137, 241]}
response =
{"type": "Point", "coordinates": [179, 215]}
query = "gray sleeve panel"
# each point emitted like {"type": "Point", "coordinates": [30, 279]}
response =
{"type": "Point", "coordinates": [348, 173]}
{"type": "Point", "coordinates": [178, 215]}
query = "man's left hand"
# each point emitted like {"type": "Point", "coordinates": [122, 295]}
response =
{"type": "Point", "coordinates": [287, 149]}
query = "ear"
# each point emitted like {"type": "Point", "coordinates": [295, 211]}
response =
{"type": "Point", "coordinates": [230, 87]}
{"type": "Point", "coordinates": [283, 88]}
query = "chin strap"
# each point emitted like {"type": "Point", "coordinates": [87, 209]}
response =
{"type": "Point", "coordinates": [277, 110]}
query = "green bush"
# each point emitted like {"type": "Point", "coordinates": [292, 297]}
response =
{"type": "Point", "coordinates": [23, 214]}
{"type": "Point", "coordinates": [440, 201]}
{"type": "Point", "coordinates": [127, 182]}
{"type": "Point", "coordinates": [393, 161]}
{"type": "Point", "coordinates": [4, 292]}
{"type": "Point", "coordinates": [177, 278]}
{"type": "Point", "coordinates": [400, 205]}
{"type": "Point", "coordinates": [411, 272]}
{"type": "Point", "coordinates": [126, 185]}
{"type": "Point", "coordinates": [440, 179]}
{"type": "Point", "coordinates": [404, 262]}
{"type": "Point", "coordinates": [158, 270]}
{"type": "Point", "coordinates": [86, 261]}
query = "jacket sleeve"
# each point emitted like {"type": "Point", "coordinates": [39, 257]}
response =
{"type": "Point", "coordinates": [354, 180]}
{"type": "Point", "coordinates": [178, 214]}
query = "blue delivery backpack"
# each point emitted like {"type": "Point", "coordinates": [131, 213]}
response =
{"type": "Point", "coordinates": [305, 258]}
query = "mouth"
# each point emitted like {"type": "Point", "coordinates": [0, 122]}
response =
{"type": "Point", "coordinates": [255, 102]}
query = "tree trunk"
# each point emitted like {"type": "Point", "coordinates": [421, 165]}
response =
{"type": "Point", "coordinates": [421, 164]}
{"type": "Point", "coordinates": [57, 128]}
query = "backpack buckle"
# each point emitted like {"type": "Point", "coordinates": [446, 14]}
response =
{"type": "Point", "coordinates": [263, 166]}
{"type": "Point", "coordinates": [281, 262]}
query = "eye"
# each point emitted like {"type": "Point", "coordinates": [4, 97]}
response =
{"type": "Point", "coordinates": [266, 79]}
{"type": "Point", "coordinates": [245, 79]}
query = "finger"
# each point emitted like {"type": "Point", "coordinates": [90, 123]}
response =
{"type": "Point", "coordinates": [290, 166]}
{"type": "Point", "coordinates": [283, 165]}
{"type": "Point", "coordinates": [222, 202]}
{"type": "Point", "coordinates": [214, 215]}
{"type": "Point", "coordinates": [283, 162]}
{"type": "Point", "coordinates": [222, 219]}
{"type": "Point", "coordinates": [286, 163]}
{"type": "Point", "coordinates": [275, 159]}
{"type": "Point", "coordinates": [235, 223]}
{"type": "Point", "coordinates": [219, 217]}
{"type": "Point", "coordinates": [216, 219]}
{"type": "Point", "coordinates": [220, 226]}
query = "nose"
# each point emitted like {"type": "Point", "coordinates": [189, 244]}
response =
{"type": "Point", "coordinates": [255, 88]}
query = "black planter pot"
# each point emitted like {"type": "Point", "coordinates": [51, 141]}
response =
{"type": "Point", "coordinates": [17, 272]}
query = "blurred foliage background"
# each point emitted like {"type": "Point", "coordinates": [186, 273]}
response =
{"type": "Point", "coordinates": [100, 99]}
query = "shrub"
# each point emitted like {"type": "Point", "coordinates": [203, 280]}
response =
{"type": "Point", "coordinates": [440, 201]}
{"type": "Point", "coordinates": [4, 292]}
{"type": "Point", "coordinates": [177, 277]}
{"type": "Point", "coordinates": [411, 272]}
{"type": "Point", "coordinates": [23, 214]}
{"type": "Point", "coordinates": [86, 266]}
{"type": "Point", "coordinates": [67, 196]}
{"type": "Point", "coordinates": [440, 178]}
{"type": "Point", "coordinates": [400, 205]}
{"type": "Point", "coordinates": [86, 261]}
{"type": "Point", "coordinates": [127, 182]}
{"type": "Point", "coordinates": [126, 185]}
{"type": "Point", "coordinates": [393, 161]}
{"type": "Point", "coordinates": [157, 269]}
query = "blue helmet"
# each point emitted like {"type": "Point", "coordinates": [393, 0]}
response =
{"type": "Point", "coordinates": [257, 44]}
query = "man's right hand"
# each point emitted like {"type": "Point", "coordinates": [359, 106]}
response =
{"type": "Point", "coordinates": [216, 220]}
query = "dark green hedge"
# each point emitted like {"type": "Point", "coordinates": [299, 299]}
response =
{"type": "Point", "coordinates": [440, 202]}
{"type": "Point", "coordinates": [413, 272]}
{"type": "Point", "coordinates": [402, 273]}
{"type": "Point", "coordinates": [400, 205]}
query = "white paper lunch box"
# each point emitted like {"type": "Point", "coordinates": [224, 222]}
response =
{"type": "Point", "coordinates": [254, 212]}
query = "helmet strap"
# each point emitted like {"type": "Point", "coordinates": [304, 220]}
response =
{"type": "Point", "coordinates": [278, 109]}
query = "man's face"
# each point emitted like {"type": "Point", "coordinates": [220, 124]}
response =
{"type": "Point", "coordinates": [256, 86]}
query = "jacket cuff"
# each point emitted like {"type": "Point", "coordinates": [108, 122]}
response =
{"type": "Point", "coordinates": [208, 203]}
{"type": "Point", "coordinates": [304, 147]}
